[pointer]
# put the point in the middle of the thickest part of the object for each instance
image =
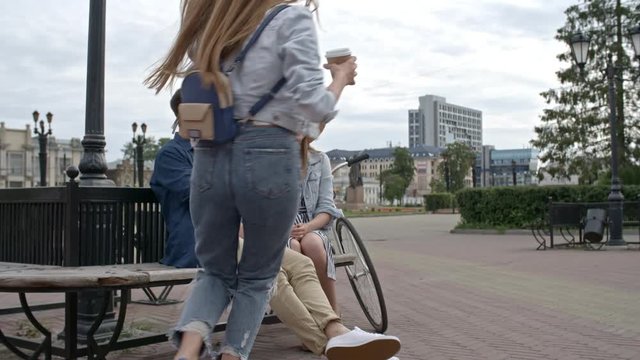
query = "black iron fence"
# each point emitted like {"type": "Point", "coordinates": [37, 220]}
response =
{"type": "Point", "coordinates": [78, 226]}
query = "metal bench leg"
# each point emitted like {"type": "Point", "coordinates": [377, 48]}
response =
{"type": "Point", "coordinates": [44, 347]}
{"type": "Point", "coordinates": [71, 325]}
{"type": "Point", "coordinates": [161, 299]}
{"type": "Point", "coordinates": [542, 242]}
{"type": "Point", "coordinates": [6, 342]}
{"type": "Point", "coordinates": [46, 343]}
{"type": "Point", "coordinates": [95, 351]}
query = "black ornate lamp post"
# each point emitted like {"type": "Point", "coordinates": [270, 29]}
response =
{"type": "Point", "coordinates": [580, 50]}
{"type": "Point", "coordinates": [138, 152]}
{"type": "Point", "coordinates": [42, 141]}
{"type": "Point", "coordinates": [513, 172]}
{"type": "Point", "coordinates": [93, 164]}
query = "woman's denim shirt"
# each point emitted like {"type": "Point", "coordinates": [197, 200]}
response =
{"type": "Point", "coordinates": [318, 187]}
{"type": "Point", "coordinates": [288, 47]}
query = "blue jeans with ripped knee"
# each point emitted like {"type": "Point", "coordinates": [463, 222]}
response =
{"type": "Point", "coordinates": [254, 178]}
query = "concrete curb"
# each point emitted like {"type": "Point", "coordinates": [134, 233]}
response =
{"type": "Point", "coordinates": [491, 231]}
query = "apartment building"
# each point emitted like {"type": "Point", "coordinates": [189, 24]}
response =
{"type": "Point", "coordinates": [437, 123]}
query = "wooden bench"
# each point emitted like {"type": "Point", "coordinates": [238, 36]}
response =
{"type": "Point", "coordinates": [24, 278]}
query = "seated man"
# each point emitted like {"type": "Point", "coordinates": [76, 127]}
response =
{"type": "Point", "coordinates": [300, 303]}
{"type": "Point", "coordinates": [170, 183]}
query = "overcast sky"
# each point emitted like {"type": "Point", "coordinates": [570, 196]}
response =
{"type": "Point", "coordinates": [492, 55]}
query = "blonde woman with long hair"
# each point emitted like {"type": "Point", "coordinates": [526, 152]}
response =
{"type": "Point", "coordinates": [255, 177]}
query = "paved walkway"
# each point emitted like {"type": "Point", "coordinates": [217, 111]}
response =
{"type": "Point", "coordinates": [458, 296]}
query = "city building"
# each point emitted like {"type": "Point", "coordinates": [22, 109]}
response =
{"type": "Point", "coordinates": [501, 167]}
{"type": "Point", "coordinates": [437, 123]}
{"type": "Point", "coordinates": [548, 180]}
{"type": "Point", "coordinates": [425, 158]}
{"type": "Point", "coordinates": [19, 165]}
{"type": "Point", "coordinates": [121, 172]}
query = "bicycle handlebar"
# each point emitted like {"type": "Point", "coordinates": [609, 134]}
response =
{"type": "Point", "coordinates": [357, 159]}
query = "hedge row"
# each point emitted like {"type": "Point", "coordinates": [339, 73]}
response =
{"type": "Point", "coordinates": [437, 201]}
{"type": "Point", "coordinates": [517, 207]}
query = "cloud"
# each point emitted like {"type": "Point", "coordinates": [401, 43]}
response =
{"type": "Point", "coordinates": [492, 55]}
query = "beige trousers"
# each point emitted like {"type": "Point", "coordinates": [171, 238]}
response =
{"type": "Point", "coordinates": [300, 303]}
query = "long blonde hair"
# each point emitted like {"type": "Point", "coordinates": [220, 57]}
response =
{"type": "Point", "coordinates": [214, 29]}
{"type": "Point", "coordinates": [306, 148]}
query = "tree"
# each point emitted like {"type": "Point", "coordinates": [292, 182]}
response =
{"type": "Point", "coordinates": [438, 185]}
{"type": "Point", "coordinates": [394, 186]}
{"type": "Point", "coordinates": [403, 165]}
{"type": "Point", "coordinates": [149, 152]}
{"type": "Point", "coordinates": [397, 179]}
{"type": "Point", "coordinates": [162, 141]}
{"type": "Point", "coordinates": [574, 132]}
{"type": "Point", "coordinates": [456, 163]}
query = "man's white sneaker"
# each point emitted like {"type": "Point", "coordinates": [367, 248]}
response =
{"type": "Point", "coordinates": [362, 345]}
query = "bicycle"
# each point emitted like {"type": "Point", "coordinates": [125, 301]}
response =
{"type": "Point", "coordinates": [346, 242]}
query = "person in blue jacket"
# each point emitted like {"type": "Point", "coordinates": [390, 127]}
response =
{"type": "Point", "coordinates": [171, 184]}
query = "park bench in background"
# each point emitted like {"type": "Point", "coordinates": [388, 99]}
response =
{"type": "Point", "coordinates": [565, 222]}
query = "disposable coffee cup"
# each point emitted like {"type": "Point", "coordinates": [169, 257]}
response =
{"type": "Point", "coordinates": [338, 56]}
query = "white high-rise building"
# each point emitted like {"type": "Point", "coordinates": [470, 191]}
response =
{"type": "Point", "coordinates": [438, 123]}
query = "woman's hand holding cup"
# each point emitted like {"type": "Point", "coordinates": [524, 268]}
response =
{"type": "Point", "coordinates": [342, 65]}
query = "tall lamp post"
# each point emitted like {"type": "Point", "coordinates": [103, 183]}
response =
{"type": "Point", "coordinates": [42, 141]}
{"type": "Point", "coordinates": [139, 141]}
{"type": "Point", "coordinates": [447, 174]}
{"type": "Point", "coordinates": [580, 50]}
{"type": "Point", "coordinates": [513, 172]}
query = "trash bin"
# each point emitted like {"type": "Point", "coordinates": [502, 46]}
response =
{"type": "Point", "coordinates": [594, 225]}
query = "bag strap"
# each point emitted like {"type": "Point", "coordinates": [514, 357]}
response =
{"type": "Point", "coordinates": [254, 38]}
{"type": "Point", "coordinates": [264, 100]}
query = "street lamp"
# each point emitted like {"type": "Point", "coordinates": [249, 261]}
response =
{"type": "Point", "coordinates": [513, 172]}
{"type": "Point", "coordinates": [634, 34]}
{"type": "Point", "coordinates": [580, 50]}
{"type": "Point", "coordinates": [138, 154]}
{"type": "Point", "coordinates": [447, 175]}
{"type": "Point", "coordinates": [42, 140]}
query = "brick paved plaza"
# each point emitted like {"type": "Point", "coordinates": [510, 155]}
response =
{"type": "Point", "coordinates": [460, 296]}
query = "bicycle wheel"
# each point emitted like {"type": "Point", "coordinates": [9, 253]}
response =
{"type": "Point", "coordinates": [362, 276]}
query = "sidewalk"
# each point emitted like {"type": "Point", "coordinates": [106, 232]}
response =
{"type": "Point", "coordinates": [460, 296]}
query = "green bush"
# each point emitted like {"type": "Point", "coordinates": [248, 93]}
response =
{"type": "Point", "coordinates": [437, 201]}
{"type": "Point", "coordinates": [517, 207]}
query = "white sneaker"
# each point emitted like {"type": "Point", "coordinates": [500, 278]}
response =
{"type": "Point", "coordinates": [362, 345]}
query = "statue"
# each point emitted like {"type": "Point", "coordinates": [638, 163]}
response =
{"type": "Point", "coordinates": [355, 178]}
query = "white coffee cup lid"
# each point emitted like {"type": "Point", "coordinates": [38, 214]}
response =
{"type": "Point", "coordinates": [338, 52]}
